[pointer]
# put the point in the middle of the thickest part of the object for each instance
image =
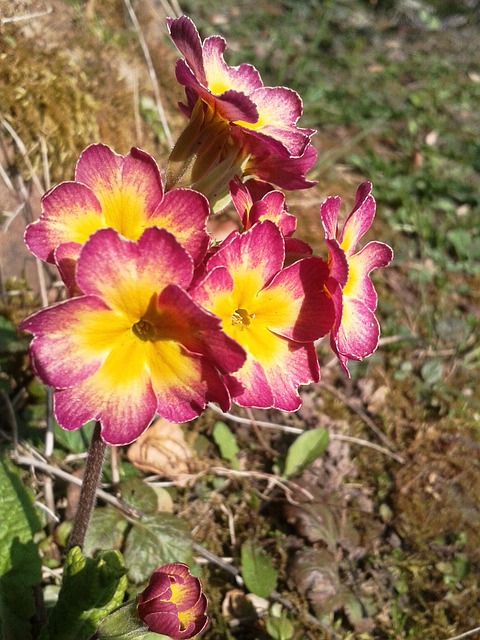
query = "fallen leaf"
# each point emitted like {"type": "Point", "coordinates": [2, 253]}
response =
{"type": "Point", "coordinates": [162, 449]}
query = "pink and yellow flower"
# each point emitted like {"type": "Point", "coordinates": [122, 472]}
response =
{"type": "Point", "coordinates": [237, 126]}
{"type": "Point", "coordinates": [173, 603]}
{"type": "Point", "coordinates": [134, 343]}
{"type": "Point", "coordinates": [356, 331]}
{"type": "Point", "coordinates": [120, 192]}
{"type": "Point", "coordinates": [274, 313]}
{"type": "Point", "coordinates": [256, 201]}
{"type": "Point", "coordinates": [237, 94]}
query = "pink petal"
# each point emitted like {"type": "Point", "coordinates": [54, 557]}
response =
{"type": "Point", "coordinates": [357, 224]}
{"type": "Point", "coordinates": [249, 387]}
{"type": "Point", "coordinates": [60, 350]}
{"type": "Point", "coordinates": [338, 262]}
{"type": "Point", "coordinates": [197, 330]}
{"type": "Point", "coordinates": [329, 216]}
{"type": "Point", "coordinates": [187, 40]}
{"type": "Point", "coordinates": [247, 252]}
{"type": "Point", "coordinates": [359, 331]}
{"type": "Point", "coordinates": [244, 78]}
{"type": "Point", "coordinates": [70, 213]}
{"type": "Point", "coordinates": [184, 213]}
{"type": "Point", "coordinates": [132, 271]}
{"type": "Point", "coordinates": [279, 109]}
{"type": "Point", "coordinates": [284, 171]}
{"type": "Point", "coordinates": [310, 305]}
{"type": "Point", "coordinates": [118, 394]}
{"type": "Point", "coordinates": [129, 188]}
{"type": "Point", "coordinates": [374, 255]}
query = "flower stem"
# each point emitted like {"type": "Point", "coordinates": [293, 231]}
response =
{"type": "Point", "coordinates": [93, 471]}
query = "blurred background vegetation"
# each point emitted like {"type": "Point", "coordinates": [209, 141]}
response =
{"type": "Point", "coordinates": [386, 547]}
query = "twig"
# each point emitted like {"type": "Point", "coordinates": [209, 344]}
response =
{"type": "Point", "coordinates": [259, 423]}
{"type": "Point", "coordinates": [28, 461]}
{"type": "Point", "coordinates": [466, 634]}
{"type": "Point", "coordinates": [24, 153]}
{"type": "Point", "coordinates": [27, 16]}
{"type": "Point", "coordinates": [151, 71]}
{"type": "Point", "coordinates": [370, 445]}
{"type": "Point", "coordinates": [68, 477]}
{"type": "Point", "coordinates": [360, 413]}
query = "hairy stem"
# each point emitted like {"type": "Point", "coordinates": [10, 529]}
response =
{"type": "Point", "coordinates": [93, 471]}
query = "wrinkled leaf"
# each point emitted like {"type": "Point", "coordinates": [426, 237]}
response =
{"type": "Point", "coordinates": [20, 563]}
{"type": "Point", "coordinates": [91, 589]}
{"type": "Point", "coordinates": [155, 540]}
{"type": "Point", "coordinates": [105, 531]}
{"type": "Point", "coordinates": [225, 441]}
{"type": "Point", "coordinates": [139, 495]}
{"type": "Point", "coordinates": [257, 570]}
{"type": "Point", "coordinates": [306, 448]}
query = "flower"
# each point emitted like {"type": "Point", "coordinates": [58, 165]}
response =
{"type": "Point", "coordinates": [237, 126]}
{"type": "Point", "coordinates": [134, 343]}
{"type": "Point", "coordinates": [356, 331]}
{"type": "Point", "coordinates": [237, 94]}
{"type": "Point", "coordinates": [275, 313]}
{"type": "Point", "coordinates": [120, 192]}
{"type": "Point", "coordinates": [173, 603]}
{"type": "Point", "coordinates": [256, 201]}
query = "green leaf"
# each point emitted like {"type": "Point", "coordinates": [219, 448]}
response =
{"type": "Point", "coordinates": [20, 563]}
{"type": "Point", "coordinates": [75, 441]}
{"type": "Point", "coordinates": [225, 441]}
{"type": "Point", "coordinates": [91, 589]}
{"type": "Point", "coordinates": [105, 530]}
{"type": "Point", "coordinates": [139, 495]}
{"type": "Point", "coordinates": [155, 540]}
{"type": "Point", "coordinates": [257, 571]}
{"type": "Point", "coordinates": [278, 626]}
{"type": "Point", "coordinates": [306, 448]}
{"type": "Point", "coordinates": [123, 624]}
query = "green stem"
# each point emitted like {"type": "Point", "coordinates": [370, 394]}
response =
{"type": "Point", "coordinates": [91, 479]}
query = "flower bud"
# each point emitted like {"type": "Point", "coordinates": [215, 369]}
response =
{"type": "Point", "coordinates": [173, 603]}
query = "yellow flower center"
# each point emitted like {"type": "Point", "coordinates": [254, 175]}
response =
{"type": "Point", "coordinates": [144, 330]}
{"type": "Point", "coordinates": [242, 317]}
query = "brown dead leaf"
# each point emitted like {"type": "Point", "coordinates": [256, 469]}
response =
{"type": "Point", "coordinates": [162, 449]}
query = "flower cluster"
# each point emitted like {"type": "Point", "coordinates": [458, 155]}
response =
{"type": "Point", "coordinates": [161, 318]}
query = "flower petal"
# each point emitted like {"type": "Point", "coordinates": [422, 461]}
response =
{"type": "Point", "coordinates": [296, 304]}
{"type": "Point", "coordinates": [197, 330]}
{"type": "Point", "coordinates": [128, 188]}
{"type": "Point", "coordinates": [184, 213]}
{"type": "Point", "coordinates": [284, 171]}
{"type": "Point", "coordinates": [70, 213]}
{"type": "Point", "coordinates": [359, 331]}
{"type": "Point", "coordinates": [329, 210]}
{"type": "Point", "coordinates": [187, 40]}
{"type": "Point", "coordinates": [72, 339]}
{"type": "Point", "coordinates": [358, 223]}
{"type": "Point", "coordinates": [278, 111]}
{"type": "Point", "coordinates": [132, 271]}
{"type": "Point", "coordinates": [119, 394]}
{"type": "Point", "coordinates": [249, 264]}
{"type": "Point", "coordinates": [373, 256]}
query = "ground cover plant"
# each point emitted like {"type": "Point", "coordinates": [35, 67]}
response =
{"type": "Point", "coordinates": [356, 516]}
